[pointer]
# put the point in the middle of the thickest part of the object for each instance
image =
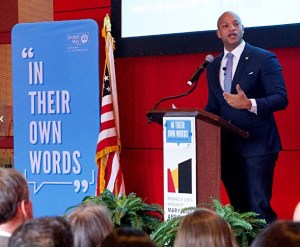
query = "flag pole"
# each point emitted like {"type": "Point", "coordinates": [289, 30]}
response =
{"type": "Point", "coordinates": [109, 48]}
{"type": "Point", "coordinates": [107, 24]}
{"type": "Point", "coordinates": [110, 174]}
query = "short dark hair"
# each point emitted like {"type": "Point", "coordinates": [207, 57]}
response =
{"type": "Point", "coordinates": [51, 231]}
{"type": "Point", "coordinates": [128, 237]}
{"type": "Point", "coordinates": [13, 190]}
{"type": "Point", "coordinates": [280, 233]}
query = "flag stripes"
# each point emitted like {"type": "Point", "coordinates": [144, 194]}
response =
{"type": "Point", "coordinates": [108, 149]}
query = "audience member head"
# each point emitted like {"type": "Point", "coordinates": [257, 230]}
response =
{"type": "Point", "coordinates": [204, 227]}
{"type": "Point", "coordinates": [15, 204]}
{"type": "Point", "coordinates": [296, 216]}
{"type": "Point", "coordinates": [43, 232]}
{"type": "Point", "coordinates": [281, 233]}
{"type": "Point", "coordinates": [90, 224]}
{"type": "Point", "coordinates": [128, 237]}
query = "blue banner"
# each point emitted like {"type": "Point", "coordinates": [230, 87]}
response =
{"type": "Point", "coordinates": [178, 131]}
{"type": "Point", "coordinates": [56, 111]}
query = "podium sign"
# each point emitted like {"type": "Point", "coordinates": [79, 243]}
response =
{"type": "Point", "coordinates": [179, 140]}
{"type": "Point", "coordinates": [192, 156]}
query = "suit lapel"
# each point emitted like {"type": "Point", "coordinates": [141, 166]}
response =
{"type": "Point", "coordinates": [217, 65]}
{"type": "Point", "coordinates": [243, 62]}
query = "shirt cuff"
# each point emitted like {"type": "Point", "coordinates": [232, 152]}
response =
{"type": "Point", "coordinates": [254, 106]}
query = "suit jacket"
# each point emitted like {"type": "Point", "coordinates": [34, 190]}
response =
{"type": "Point", "coordinates": [260, 76]}
{"type": "Point", "coordinates": [4, 241]}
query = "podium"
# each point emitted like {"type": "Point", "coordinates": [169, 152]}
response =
{"type": "Point", "coordinates": [192, 156]}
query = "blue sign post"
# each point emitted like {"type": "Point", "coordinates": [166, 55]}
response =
{"type": "Point", "coordinates": [56, 111]}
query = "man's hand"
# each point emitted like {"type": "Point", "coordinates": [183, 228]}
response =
{"type": "Point", "coordinates": [239, 100]}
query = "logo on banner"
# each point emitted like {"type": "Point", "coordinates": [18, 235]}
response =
{"type": "Point", "coordinates": [178, 131]}
{"type": "Point", "coordinates": [78, 42]}
{"type": "Point", "coordinates": [180, 179]}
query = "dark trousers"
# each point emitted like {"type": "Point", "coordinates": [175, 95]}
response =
{"type": "Point", "coordinates": [248, 182]}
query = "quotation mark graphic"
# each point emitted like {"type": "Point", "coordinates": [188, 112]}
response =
{"type": "Point", "coordinates": [27, 53]}
{"type": "Point", "coordinates": [77, 183]}
{"type": "Point", "coordinates": [84, 184]}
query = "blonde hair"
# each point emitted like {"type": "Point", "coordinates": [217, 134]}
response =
{"type": "Point", "coordinates": [204, 227]}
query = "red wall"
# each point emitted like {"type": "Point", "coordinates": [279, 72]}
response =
{"type": "Point", "coordinates": [142, 81]}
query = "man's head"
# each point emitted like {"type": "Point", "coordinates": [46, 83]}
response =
{"type": "Point", "coordinates": [90, 224]}
{"type": "Point", "coordinates": [15, 204]}
{"type": "Point", "coordinates": [43, 232]}
{"type": "Point", "coordinates": [230, 30]}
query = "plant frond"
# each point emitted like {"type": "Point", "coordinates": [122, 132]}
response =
{"type": "Point", "coordinates": [132, 211]}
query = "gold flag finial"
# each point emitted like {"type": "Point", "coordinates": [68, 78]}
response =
{"type": "Point", "coordinates": [106, 26]}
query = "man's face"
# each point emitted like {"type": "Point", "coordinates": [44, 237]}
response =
{"type": "Point", "coordinates": [230, 30]}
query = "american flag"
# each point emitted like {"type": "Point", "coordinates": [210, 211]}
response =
{"type": "Point", "coordinates": [110, 174]}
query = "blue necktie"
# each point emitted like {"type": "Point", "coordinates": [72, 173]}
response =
{"type": "Point", "coordinates": [228, 73]}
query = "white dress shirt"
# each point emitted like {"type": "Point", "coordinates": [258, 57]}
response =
{"type": "Point", "coordinates": [236, 57]}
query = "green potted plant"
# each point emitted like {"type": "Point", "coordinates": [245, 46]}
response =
{"type": "Point", "coordinates": [245, 226]}
{"type": "Point", "coordinates": [130, 210]}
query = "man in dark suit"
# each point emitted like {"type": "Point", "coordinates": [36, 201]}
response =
{"type": "Point", "coordinates": [257, 90]}
{"type": "Point", "coordinates": [15, 204]}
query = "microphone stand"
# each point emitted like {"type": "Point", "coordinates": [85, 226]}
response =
{"type": "Point", "coordinates": [177, 96]}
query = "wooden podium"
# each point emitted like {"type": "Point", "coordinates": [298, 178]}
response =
{"type": "Point", "coordinates": [207, 132]}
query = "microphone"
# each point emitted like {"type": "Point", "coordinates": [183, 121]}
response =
{"type": "Point", "coordinates": [208, 59]}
